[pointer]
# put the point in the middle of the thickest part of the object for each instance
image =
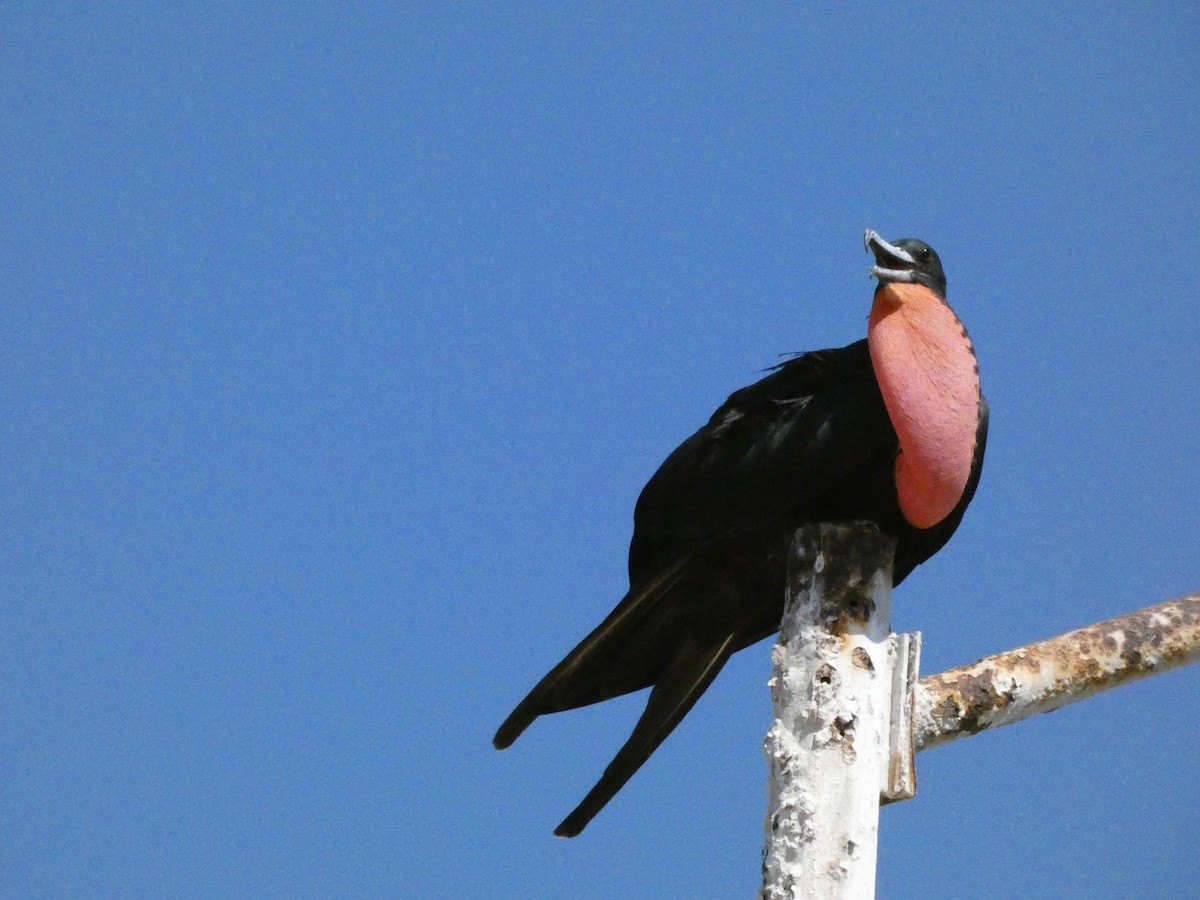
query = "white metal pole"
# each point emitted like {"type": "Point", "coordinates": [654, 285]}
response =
{"type": "Point", "coordinates": [832, 685]}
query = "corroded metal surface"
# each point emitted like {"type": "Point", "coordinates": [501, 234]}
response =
{"type": "Point", "coordinates": [1041, 677]}
{"type": "Point", "coordinates": [827, 749]}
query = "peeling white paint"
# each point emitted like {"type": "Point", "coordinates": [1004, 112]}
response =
{"type": "Point", "coordinates": [1042, 677]}
{"type": "Point", "coordinates": [828, 748]}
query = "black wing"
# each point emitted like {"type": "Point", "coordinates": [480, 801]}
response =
{"type": "Point", "coordinates": [809, 442]}
{"type": "Point", "coordinates": [710, 537]}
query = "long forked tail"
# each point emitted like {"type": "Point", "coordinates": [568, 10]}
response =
{"type": "Point", "coordinates": [602, 665]}
{"type": "Point", "coordinates": [689, 675]}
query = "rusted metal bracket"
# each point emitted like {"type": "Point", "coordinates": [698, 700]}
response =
{"type": "Point", "coordinates": [901, 783]}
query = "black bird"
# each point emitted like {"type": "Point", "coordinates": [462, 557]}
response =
{"type": "Point", "coordinates": [890, 429]}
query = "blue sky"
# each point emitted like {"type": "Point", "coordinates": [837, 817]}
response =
{"type": "Point", "coordinates": [339, 341]}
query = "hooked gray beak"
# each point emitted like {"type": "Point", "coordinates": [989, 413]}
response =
{"type": "Point", "coordinates": [891, 263]}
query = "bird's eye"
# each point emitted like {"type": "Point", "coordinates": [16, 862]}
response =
{"type": "Point", "coordinates": [923, 253]}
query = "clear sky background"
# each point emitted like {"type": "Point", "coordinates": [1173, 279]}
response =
{"type": "Point", "coordinates": [339, 340]}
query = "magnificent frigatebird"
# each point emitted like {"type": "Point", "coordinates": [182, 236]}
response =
{"type": "Point", "coordinates": [890, 430]}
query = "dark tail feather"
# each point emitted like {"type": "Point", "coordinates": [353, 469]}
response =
{"type": "Point", "coordinates": [689, 676]}
{"type": "Point", "coordinates": [521, 717]}
{"type": "Point", "coordinates": [597, 650]}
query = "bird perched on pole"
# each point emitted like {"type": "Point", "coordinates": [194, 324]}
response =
{"type": "Point", "coordinates": [890, 430]}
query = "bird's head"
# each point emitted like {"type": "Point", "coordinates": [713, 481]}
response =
{"type": "Point", "coordinates": [908, 261]}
